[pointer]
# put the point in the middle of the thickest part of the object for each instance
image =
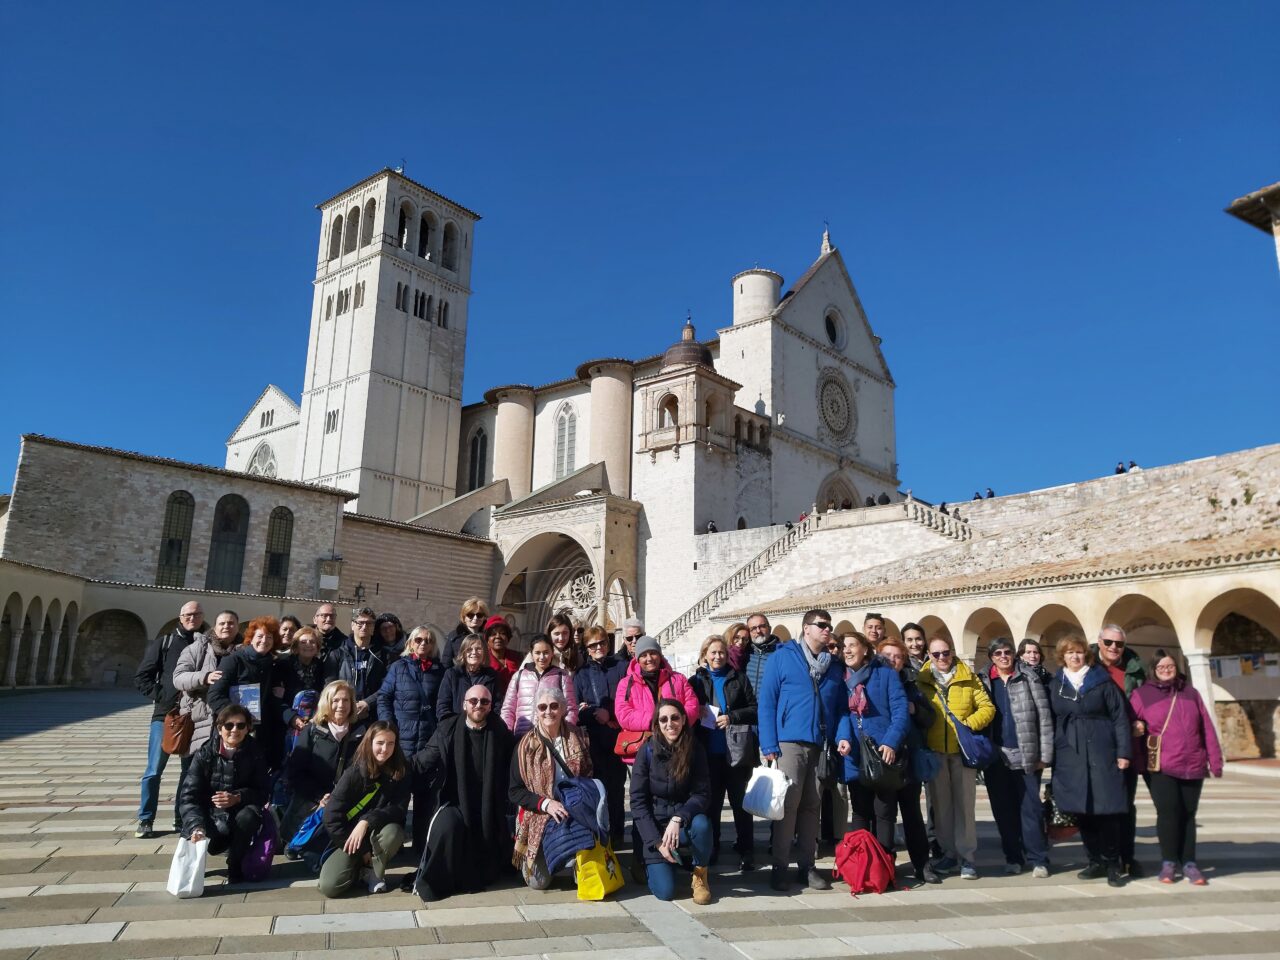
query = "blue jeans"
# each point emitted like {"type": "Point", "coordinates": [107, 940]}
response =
{"type": "Point", "coordinates": [1018, 812]}
{"type": "Point", "coordinates": [662, 876]}
{"type": "Point", "coordinates": [157, 759]}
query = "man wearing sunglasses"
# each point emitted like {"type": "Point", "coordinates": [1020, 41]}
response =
{"type": "Point", "coordinates": [466, 762]}
{"type": "Point", "coordinates": [799, 699]}
{"type": "Point", "coordinates": [1126, 670]}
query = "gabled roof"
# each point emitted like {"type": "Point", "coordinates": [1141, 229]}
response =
{"type": "Point", "coordinates": [270, 388]}
{"type": "Point", "coordinates": [1259, 209]}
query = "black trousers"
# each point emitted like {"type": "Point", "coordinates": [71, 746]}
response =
{"type": "Point", "coordinates": [424, 806]}
{"type": "Point", "coordinates": [233, 834]}
{"type": "Point", "coordinates": [913, 828]}
{"type": "Point", "coordinates": [609, 769]}
{"type": "Point", "coordinates": [1103, 836]}
{"type": "Point", "coordinates": [1176, 803]}
{"type": "Point", "coordinates": [873, 810]}
{"type": "Point", "coordinates": [732, 781]}
{"type": "Point", "coordinates": [1129, 836]}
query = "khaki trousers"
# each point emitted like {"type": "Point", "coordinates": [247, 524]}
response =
{"type": "Point", "coordinates": [952, 795]}
{"type": "Point", "coordinates": [799, 761]}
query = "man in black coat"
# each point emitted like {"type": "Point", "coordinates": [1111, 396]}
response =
{"type": "Point", "coordinates": [358, 663]}
{"type": "Point", "coordinates": [466, 761]}
{"type": "Point", "coordinates": [154, 680]}
{"type": "Point", "coordinates": [326, 624]}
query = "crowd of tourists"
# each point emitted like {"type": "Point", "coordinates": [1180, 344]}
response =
{"type": "Point", "coordinates": [353, 744]}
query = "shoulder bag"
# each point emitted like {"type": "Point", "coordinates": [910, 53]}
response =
{"type": "Point", "coordinates": [976, 749]}
{"type": "Point", "coordinates": [873, 771]}
{"type": "Point", "coordinates": [830, 763]}
{"type": "Point", "coordinates": [178, 730]}
{"type": "Point", "coordinates": [741, 746]}
{"type": "Point", "coordinates": [629, 742]}
{"type": "Point", "coordinates": [1154, 740]}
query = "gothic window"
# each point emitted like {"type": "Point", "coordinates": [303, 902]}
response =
{"type": "Point", "coordinates": [479, 454]}
{"type": "Point", "coordinates": [335, 238]}
{"type": "Point", "coordinates": [449, 255]}
{"type": "Point", "coordinates": [263, 461]}
{"type": "Point", "coordinates": [226, 546]}
{"type": "Point", "coordinates": [353, 230]}
{"type": "Point", "coordinates": [266, 419]}
{"type": "Point", "coordinates": [668, 412]}
{"type": "Point", "coordinates": [366, 231]}
{"type": "Point", "coordinates": [360, 293]}
{"type": "Point", "coordinates": [426, 234]}
{"type": "Point", "coordinates": [331, 421]}
{"type": "Point", "coordinates": [275, 568]}
{"type": "Point", "coordinates": [175, 540]}
{"type": "Point", "coordinates": [444, 314]}
{"type": "Point", "coordinates": [566, 440]}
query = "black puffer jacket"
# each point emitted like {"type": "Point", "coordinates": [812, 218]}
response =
{"type": "Point", "coordinates": [656, 798]}
{"type": "Point", "coordinates": [389, 805]}
{"type": "Point", "coordinates": [294, 676]}
{"type": "Point", "coordinates": [318, 760]}
{"type": "Point", "coordinates": [245, 666]}
{"type": "Point", "coordinates": [154, 678]}
{"type": "Point", "coordinates": [454, 686]}
{"type": "Point", "coordinates": [345, 663]}
{"type": "Point", "coordinates": [738, 695]}
{"type": "Point", "coordinates": [210, 772]}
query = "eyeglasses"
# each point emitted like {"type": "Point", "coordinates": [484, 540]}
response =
{"type": "Point", "coordinates": [1112, 643]}
{"type": "Point", "coordinates": [940, 654]}
{"type": "Point", "coordinates": [362, 623]}
{"type": "Point", "coordinates": [822, 625]}
{"type": "Point", "coordinates": [598, 645]}
{"type": "Point", "coordinates": [189, 616]}
{"type": "Point", "coordinates": [477, 701]}
{"type": "Point", "coordinates": [1002, 654]}
{"type": "Point", "coordinates": [669, 718]}
{"type": "Point", "coordinates": [759, 628]}
{"type": "Point", "coordinates": [548, 707]}
{"type": "Point", "coordinates": [235, 725]}
{"type": "Point", "coordinates": [324, 616]}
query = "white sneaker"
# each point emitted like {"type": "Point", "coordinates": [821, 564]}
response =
{"type": "Point", "coordinates": [1041, 872]}
{"type": "Point", "coordinates": [376, 884]}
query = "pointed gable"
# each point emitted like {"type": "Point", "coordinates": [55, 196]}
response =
{"type": "Point", "coordinates": [273, 402]}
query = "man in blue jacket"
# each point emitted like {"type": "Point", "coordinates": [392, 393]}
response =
{"type": "Point", "coordinates": [799, 698]}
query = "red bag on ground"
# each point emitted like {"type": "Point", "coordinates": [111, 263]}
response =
{"type": "Point", "coordinates": [863, 864]}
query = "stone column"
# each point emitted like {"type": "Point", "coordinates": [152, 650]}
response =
{"type": "Point", "coordinates": [1200, 674]}
{"type": "Point", "coordinates": [611, 406]}
{"type": "Point", "coordinates": [513, 438]}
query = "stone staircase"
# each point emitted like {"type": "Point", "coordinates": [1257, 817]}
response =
{"type": "Point", "coordinates": [934, 519]}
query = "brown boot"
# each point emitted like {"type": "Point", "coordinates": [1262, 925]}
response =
{"type": "Point", "coordinates": [701, 892]}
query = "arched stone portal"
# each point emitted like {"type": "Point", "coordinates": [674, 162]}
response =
{"type": "Point", "coordinates": [983, 626]}
{"type": "Point", "coordinates": [548, 573]}
{"type": "Point", "coordinates": [109, 646]}
{"type": "Point", "coordinates": [1147, 626]}
{"type": "Point", "coordinates": [1050, 624]}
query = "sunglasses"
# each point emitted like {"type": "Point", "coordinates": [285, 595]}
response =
{"type": "Point", "coordinates": [548, 707]}
{"type": "Point", "coordinates": [669, 718]}
{"type": "Point", "coordinates": [940, 654]}
{"type": "Point", "coordinates": [477, 701]}
{"type": "Point", "coordinates": [598, 645]}
{"type": "Point", "coordinates": [235, 725]}
{"type": "Point", "coordinates": [822, 625]}
{"type": "Point", "coordinates": [1112, 643]}
{"type": "Point", "coordinates": [1002, 653]}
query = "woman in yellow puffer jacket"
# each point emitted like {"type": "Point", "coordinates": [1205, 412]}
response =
{"type": "Point", "coordinates": [953, 792]}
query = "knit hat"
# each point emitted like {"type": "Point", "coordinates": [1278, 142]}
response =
{"type": "Point", "coordinates": [494, 621]}
{"type": "Point", "coordinates": [647, 645]}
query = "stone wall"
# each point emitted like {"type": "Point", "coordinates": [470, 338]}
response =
{"type": "Point", "coordinates": [108, 650]}
{"type": "Point", "coordinates": [1248, 728]}
{"type": "Point", "coordinates": [99, 514]}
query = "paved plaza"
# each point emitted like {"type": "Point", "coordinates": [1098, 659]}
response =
{"type": "Point", "coordinates": [76, 885]}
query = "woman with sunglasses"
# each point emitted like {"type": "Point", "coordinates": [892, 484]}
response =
{"type": "Point", "coordinates": [469, 667]}
{"type": "Point", "coordinates": [471, 619]}
{"type": "Point", "coordinates": [225, 789]}
{"type": "Point", "coordinates": [534, 773]}
{"type": "Point", "coordinates": [945, 680]}
{"type": "Point", "coordinates": [407, 699]}
{"type": "Point", "coordinates": [595, 683]}
{"type": "Point", "coordinates": [1023, 732]}
{"type": "Point", "coordinates": [670, 793]}
{"type": "Point", "coordinates": [539, 672]}
{"type": "Point", "coordinates": [365, 814]}
{"type": "Point", "coordinates": [1093, 746]}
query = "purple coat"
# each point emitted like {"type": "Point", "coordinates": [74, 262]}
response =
{"type": "Point", "coordinates": [1190, 748]}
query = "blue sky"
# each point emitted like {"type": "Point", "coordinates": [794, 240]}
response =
{"type": "Point", "coordinates": [1029, 200]}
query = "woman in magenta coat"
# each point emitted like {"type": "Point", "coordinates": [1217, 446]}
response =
{"type": "Point", "coordinates": [1188, 750]}
{"type": "Point", "coordinates": [649, 678]}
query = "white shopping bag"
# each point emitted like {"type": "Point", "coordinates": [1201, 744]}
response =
{"type": "Point", "coordinates": [766, 794]}
{"type": "Point", "coordinates": [186, 873]}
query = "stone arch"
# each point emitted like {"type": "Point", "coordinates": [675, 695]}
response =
{"type": "Point", "coordinates": [335, 238]}
{"type": "Point", "coordinates": [45, 636]}
{"type": "Point", "coordinates": [781, 632]}
{"type": "Point", "coordinates": [668, 411]}
{"type": "Point", "coordinates": [366, 225]}
{"type": "Point", "coordinates": [1147, 626]}
{"type": "Point", "coordinates": [406, 225]}
{"type": "Point", "coordinates": [621, 604]}
{"type": "Point", "coordinates": [981, 627]}
{"type": "Point", "coordinates": [1050, 624]}
{"type": "Point", "coordinates": [546, 567]}
{"type": "Point", "coordinates": [109, 647]}
{"type": "Point", "coordinates": [12, 618]}
{"type": "Point", "coordinates": [426, 235]}
{"type": "Point", "coordinates": [352, 230]}
{"type": "Point", "coordinates": [64, 648]}
{"type": "Point", "coordinates": [1243, 602]}
{"type": "Point", "coordinates": [935, 626]}
{"type": "Point", "coordinates": [837, 488]}
{"type": "Point", "coordinates": [843, 627]}
{"type": "Point", "coordinates": [30, 624]}
{"type": "Point", "coordinates": [891, 628]}
{"type": "Point", "coordinates": [449, 245]}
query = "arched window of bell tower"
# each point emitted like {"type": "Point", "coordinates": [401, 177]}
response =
{"type": "Point", "coordinates": [426, 235]}
{"type": "Point", "coordinates": [366, 231]}
{"type": "Point", "coordinates": [405, 226]}
{"type": "Point", "coordinates": [353, 230]}
{"type": "Point", "coordinates": [668, 412]}
{"type": "Point", "coordinates": [335, 238]}
{"type": "Point", "coordinates": [449, 254]}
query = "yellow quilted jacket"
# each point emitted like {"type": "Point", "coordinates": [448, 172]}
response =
{"type": "Point", "coordinates": [967, 699]}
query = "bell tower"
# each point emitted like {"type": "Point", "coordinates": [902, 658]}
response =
{"type": "Point", "coordinates": [382, 396]}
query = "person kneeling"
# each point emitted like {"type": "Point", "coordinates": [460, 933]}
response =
{"type": "Point", "coordinates": [467, 843]}
{"type": "Point", "coordinates": [670, 787]}
{"type": "Point", "coordinates": [365, 814]}
{"type": "Point", "coordinates": [538, 764]}
{"type": "Point", "coordinates": [224, 791]}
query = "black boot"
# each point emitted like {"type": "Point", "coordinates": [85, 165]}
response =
{"type": "Point", "coordinates": [1094, 871]}
{"type": "Point", "coordinates": [1115, 875]}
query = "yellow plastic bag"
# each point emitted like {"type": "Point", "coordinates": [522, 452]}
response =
{"type": "Point", "coordinates": [597, 872]}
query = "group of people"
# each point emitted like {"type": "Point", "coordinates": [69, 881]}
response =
{"type": "Point", "coordinates": [471, 751]}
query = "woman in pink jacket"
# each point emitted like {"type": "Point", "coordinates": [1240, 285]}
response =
{"type": "Point", "coordinates": [1178, 721]}
{"type": "Point", "coordinates": [538, 672]}
{"type": "Point", "coordinates": [648, 679]}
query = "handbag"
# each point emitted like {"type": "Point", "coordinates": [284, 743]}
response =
{"type": "Point", "coordinates": [1058, 826]}
{"type": "Point", "coordinates": [766, 793]}
{"type": "Point", "coordinates": [873, 771]}
{"type": "Point", "coordinates": [976, 749]}
{"type": "Point", "coordinates": [924, 762]}
{"type": "Point", "coordinates": [178, 729]}
{"type": "Point", "coordinates": [741, 745]}
{"type": "Point", "coordinates": [186, 871]}
{"type": "Point", "coordinates": [629, 743]}
{"type": "Point", "coordinates": [830, 763]}
{"type": "Point", "coordinates": [597, 872]}
{"type": "Point", "coordinates": [256, 864]}
{"type": "Point", "coordinates": [1154, 741]}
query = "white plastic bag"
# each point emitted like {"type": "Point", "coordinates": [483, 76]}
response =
{"type": "Point", "coordinates": [766, 794]}
{"type": "Point", "coordinates": [186, 873]}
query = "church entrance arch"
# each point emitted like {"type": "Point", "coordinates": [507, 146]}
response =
{"type": "Point", "coordinates": [548, 573]}
{"type": "Point", "coordinates": [835, 490]}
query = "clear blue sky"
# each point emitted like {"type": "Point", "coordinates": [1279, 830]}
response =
{"type": "Point", "coordinates": [1029, 200]}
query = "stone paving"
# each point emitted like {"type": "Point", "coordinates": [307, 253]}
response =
{"type": "Point", "coordinates": [76, 885]}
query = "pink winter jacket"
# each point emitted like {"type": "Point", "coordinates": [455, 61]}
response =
{"type": "Point", "coordinates": [520, 704]}
{"type": "Point", "coordinates": [1190, 748]}
{"type": "Point", "coordinates": [633, 703]}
